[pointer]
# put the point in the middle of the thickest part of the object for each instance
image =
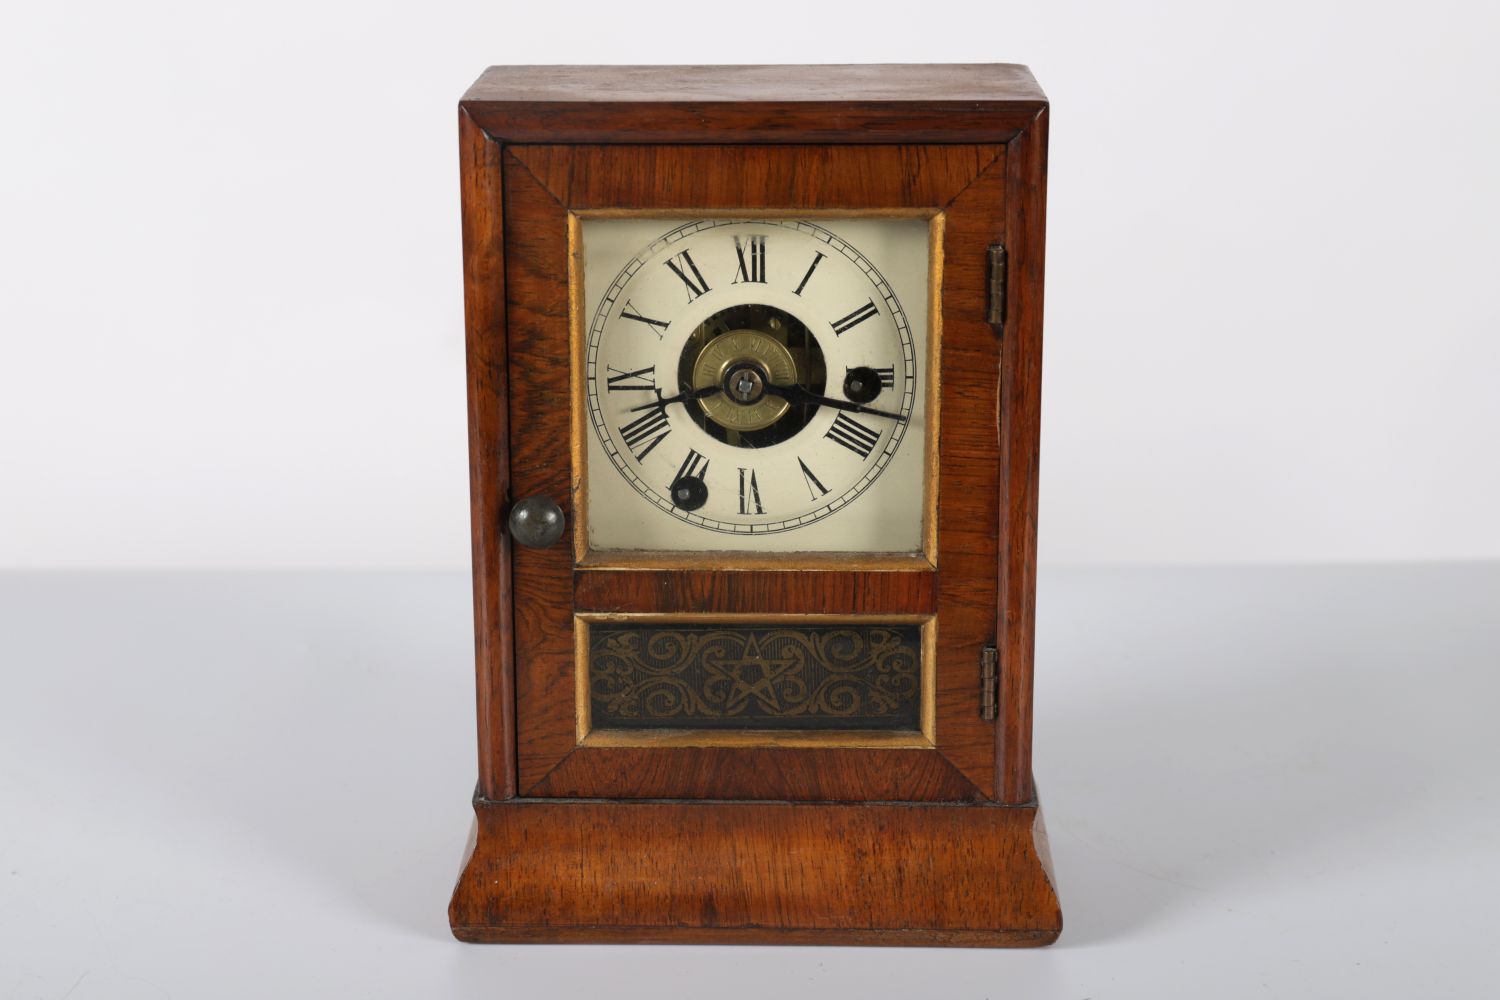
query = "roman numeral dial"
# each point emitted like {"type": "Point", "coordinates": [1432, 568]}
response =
{"type": "Point", "coordinates": [638, 380]}
{"type": "Point", "coordinates": [815, 487]}
{"type": "Point", "coordinates": [752, 383]}
{"type": "Point", "coordinates": [850, 433]}
{"type": "Point", "coordinates": [656, 326]}
{"type": "Point", "coordinates": [645, 432]}
{"type": "Point", "coordinates": [751, 252]}
{"type": "Point", "coordinates": [750, 492]}
{"type": "Point", "coordinates": [688, 489]}
{"type": "Point", "coordinates": [844, 324]}
{"type": "Point", "coordinates": [685, 268]}
{"type": "Point", "coordinates": [818, 256]}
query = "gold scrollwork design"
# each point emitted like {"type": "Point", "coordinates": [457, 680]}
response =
{"type": "Point", "coordinates": [818, 676]}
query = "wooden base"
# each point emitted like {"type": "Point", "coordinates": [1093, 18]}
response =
{"type": "Point", "coordinates": [756, 872]}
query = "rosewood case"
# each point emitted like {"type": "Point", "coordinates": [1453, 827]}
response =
{"type": "Point", "coordinates": [929, 835]}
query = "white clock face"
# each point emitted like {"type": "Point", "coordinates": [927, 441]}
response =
{"type": "Point", "coordinates": [756, 385]}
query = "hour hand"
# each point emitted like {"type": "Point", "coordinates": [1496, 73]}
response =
{"type": "Point", "coordinates": [662, 402]}
{"type": "Point", "coordinates": [797, 394]}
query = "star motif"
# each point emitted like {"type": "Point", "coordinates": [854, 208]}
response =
{"type": "Point", "coordinates": [750, 676]}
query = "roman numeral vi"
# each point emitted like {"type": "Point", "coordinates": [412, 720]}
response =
{"type": "Point", "coordinates": [750, 493]}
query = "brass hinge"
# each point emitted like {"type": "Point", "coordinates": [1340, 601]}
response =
{"type": "Point", "coordinates": [995, 313]}
{"type": "Point", "coordinates": [989, 683]}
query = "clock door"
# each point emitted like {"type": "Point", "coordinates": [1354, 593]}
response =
{"type": "Point", "coordinates": [759, 385]}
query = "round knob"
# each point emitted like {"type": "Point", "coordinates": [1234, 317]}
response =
{"type": "Point", "coordinates": [537, 522]}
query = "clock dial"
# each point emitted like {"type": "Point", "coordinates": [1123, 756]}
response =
{"type": "Point", "coordinates": [750, 379]}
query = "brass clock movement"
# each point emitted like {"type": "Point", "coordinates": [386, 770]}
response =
{"type": "Point", "coordinates": [754, 367]}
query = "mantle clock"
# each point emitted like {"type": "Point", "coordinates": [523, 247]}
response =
{"type": "Point", "coordinates": [754, 360]}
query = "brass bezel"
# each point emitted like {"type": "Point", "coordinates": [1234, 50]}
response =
{"type": "Point", "coordinates": [722, 560]}
{"type": "Point", "coordinates": [923, 739]}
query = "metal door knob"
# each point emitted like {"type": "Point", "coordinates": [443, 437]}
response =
{"type": "Point", "coordinates": [537, 522]}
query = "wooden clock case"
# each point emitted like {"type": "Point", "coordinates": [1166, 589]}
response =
{"type": "Point", "coordinates": [762, 842]}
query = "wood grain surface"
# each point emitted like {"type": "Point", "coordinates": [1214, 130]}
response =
{"type": "Point", "coordinates": [489, 454]}
{"type": "Point", "coordinates": [769, 873]}
{"type": "Point", "coordinates": [1020, 454]}
{"type": "Point", "coordinates": [852, 85]}
{"type": "Point", "coordinates": [853, 844]}
{"type": "Point", "coordinates": [808, 592]}
{"type": "Point", "coordinates": [755, 104]}
{"type": "Point", "coordinates": [544, 184]}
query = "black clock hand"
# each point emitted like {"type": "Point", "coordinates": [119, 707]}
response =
{"type": "Point", "coordinates": [660, 403]}
{"type": "Point", "coordinates": [797, 394]}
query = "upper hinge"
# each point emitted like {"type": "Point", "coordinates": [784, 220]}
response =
{"type": "Point", "coordinates": [995, 313]}
{"type": "Point", "coordinates": [989, 683]}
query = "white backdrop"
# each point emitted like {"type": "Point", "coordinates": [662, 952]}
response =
{"type": "Point", "coordinates": [230, 317]}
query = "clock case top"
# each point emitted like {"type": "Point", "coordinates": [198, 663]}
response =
{"type": "Point", "coordinates": [540, 142]}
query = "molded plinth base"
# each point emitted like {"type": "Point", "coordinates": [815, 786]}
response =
{"type": "Point", "coordinates": [756, 872]}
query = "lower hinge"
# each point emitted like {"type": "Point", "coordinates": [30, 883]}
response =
{"type": "Point", "coordinates": [994, 312]}
{"type": "Point", "coordinates": [989, 683]}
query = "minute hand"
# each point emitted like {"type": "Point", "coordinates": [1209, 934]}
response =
{"type": "Point", "coordinates": [797, 394]}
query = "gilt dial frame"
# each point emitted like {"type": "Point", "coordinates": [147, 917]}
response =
{"type": "Point", "coordinates": [921, 389]}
